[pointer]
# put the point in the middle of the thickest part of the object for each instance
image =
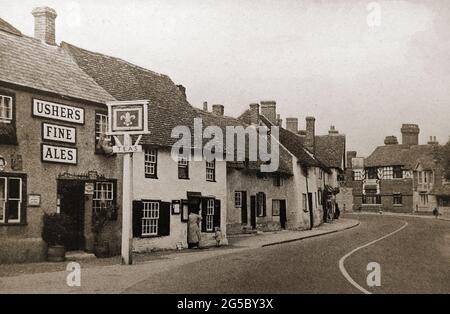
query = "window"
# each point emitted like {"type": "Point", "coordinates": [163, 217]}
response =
{"type": "Point", "coordinates": [304, 202]}
{"type": "Point", "coordinates": [388, 173]}
{"type": "Point", "coordinates": [150, 217]}
{"type": "Point", "coordinates": [397, 199]}
{"type": "Point", "coordinates": [10, 199]}
{"type": "Point", "coordinates": [278, 180]}
{"type": "Point", "coordinates": [371, 198]}
{"type": "Point", "coordinates": [371, 173]}
{"type": "Point", "coordinates": [150, 162]}
{"type": "Point", "coordinates": [358, 175]}
{"type": "Point", "coordinates": [104, 198]}
{"type": "Point", "coordinates": [238, 199]}
{"type": "Point", "coordinates": [261, 204]}
{"type": "Point", "coordinates": [101, 127]}
{"type": "Point", "coordinates": [6, 109]}
{"type": "Point", "coordinates": [183, 168]}
{"type": "Point", "coordinates": [276, 204]}
{"type": "Point", "coordinates": [320, 196]}
{"type": "Point", "coordinates": [424, 199]}
{"type": "Point", "coordinates": [211, 170]}
{"type": "Point", "coordinates": [315, 198]}
{"type": "Point", "coordinates": [320, 174]}
{"type": "Point", "coordinates": [210, 215]}
{"type": "Point", "coordinates": [398, 172]}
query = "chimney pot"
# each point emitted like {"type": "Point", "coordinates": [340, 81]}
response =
{"type": "Point", "coordinates": [410, 134]}
{"type": "Point", "coordinates": [390, 140]}
{"type": "Point", "coordinates": [279, 121]}
{"type": "Point", "coordinates": [218, 109]}
{"type": "Point", "coordinates": [44, 24]}
{"type": "Point", "coordinates": [205, 106]}
{"type": "Point", "coordinates": [433, 141]}
{"type": "Point", "coordinates": [333, 130]}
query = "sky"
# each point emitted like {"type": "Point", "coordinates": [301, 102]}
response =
{"type": "Point", "coordinates": [364, 66]}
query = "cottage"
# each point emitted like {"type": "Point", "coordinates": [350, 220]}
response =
{"type": "Point", "coordinates": [52, 116]}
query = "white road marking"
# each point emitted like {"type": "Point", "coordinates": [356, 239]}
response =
{"type": "Point", "coordinates": [342, 260]}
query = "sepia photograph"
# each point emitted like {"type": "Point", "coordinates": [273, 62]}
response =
{"type": "Point", "coordinates": [225, 154]}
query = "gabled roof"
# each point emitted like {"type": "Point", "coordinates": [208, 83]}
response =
{"type": "Point", "coordinates": [6, 27]}
{"type": "Point", "coordinates": [403, 155]}
{"type": "Point", "coordinates": [330, 149]}
{"type": "Point", "coordinates": [28, 62]}
{"type": "Point", "coordinates": [168, 106]}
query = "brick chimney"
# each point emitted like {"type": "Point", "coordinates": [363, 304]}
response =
{"type": "Point", "coordinates": [310, 138]}
{"type": "Point", "coordinates": [279, 121]}
{"type": "Point", "coordinates": [433, 141]}
{"type": "Point", "coordinates": [205, 106]}
{"type": "Point", "coordinates": [410, 134]}
{"type": "Point", "coordinates": [333, 131]}
{"type": "Point", "coordinates": [390, 140]}
{"type": "Point", "coordinates": [44, 24]}
{"type": "Point", "coordinates": [254, 114]}
{"type": "Point", "coordinates": [218, 110]}
{"type": "Point", "coordinates": [292, 124]}
{"type": "Point", "coordinates": [350, 155]}
{"type": "Point", "coordinates": [269, 110]}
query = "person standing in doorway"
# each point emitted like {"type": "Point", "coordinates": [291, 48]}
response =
{"type": "Point", "coordinates": [194, 235]}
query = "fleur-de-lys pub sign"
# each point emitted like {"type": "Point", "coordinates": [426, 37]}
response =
{"type": "Point", "coordinates": [127, 117]}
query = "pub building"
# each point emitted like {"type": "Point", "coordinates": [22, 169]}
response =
{"type": "Point", "coordinates": [52, 154]}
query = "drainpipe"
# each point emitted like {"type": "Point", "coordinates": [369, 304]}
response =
{"type": "Point", "coordinates": [311, 214]}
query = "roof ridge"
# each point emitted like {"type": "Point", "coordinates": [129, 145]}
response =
{"type": "Point", "coordinates": [114, 58]}
{"type": "Point", "coordinates": [9, 28]}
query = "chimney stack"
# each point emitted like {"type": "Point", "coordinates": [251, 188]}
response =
{"type": "Point", "coordinates": [310, 139]}
{"type": "Point", "coordinates": [218, 110]}
{"type": "Point", "coordinates": [333, 130]}
{"type": "Point", "coordinates": [44, 25]}
{"type": "Point", "coordinates": [269, 110]}
{"type": "Point", "coordinates": [410, 134]}
{"type": "Point", "coordinates": [433, 141]}
{"type": "Point", "coordinates": [292, 125]}
{"type": "Point", "coordinates": [205, 106]}
{"type": "Point", "coordinates": [279, 121]}
{"type": "Point", "coordinates": [254, 114]}
{"type": "Point", "coordinates": [390, 140]}
{"type": "Point", "coordinates": [350, 155]}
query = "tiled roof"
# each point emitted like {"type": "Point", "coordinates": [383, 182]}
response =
{"type": "Point", "coordinates": [6, 27]}
{"type": "Point", "coordinates": [402, 155]}
{"type": "Point", "coordinates": [441, 190]}
{"type": "Point", "coordinates": [168, 106]}
{"type": "Point", "coordinates": [293, 144]}
{"type": "Point", "coordinates": [28, 62]}
{"type": "Point", "coordinates": [330, 149]}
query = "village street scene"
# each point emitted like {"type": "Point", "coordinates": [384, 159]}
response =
{"type": "Point", "coordinates": [208, 170]}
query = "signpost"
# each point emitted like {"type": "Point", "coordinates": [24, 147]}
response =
{"type": "Point", "coordinates": [126, 118]}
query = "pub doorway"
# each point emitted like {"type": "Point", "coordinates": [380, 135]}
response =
{"type": "Point", "coordinates": [71, 204]}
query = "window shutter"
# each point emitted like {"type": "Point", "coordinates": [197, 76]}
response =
{"type": "Point", "coordinates": [216, 218]}
{"type": "Point", "coordinates": [137, 219]}
{"type": "Point", "coordinates": [204, 209]}
{"type": "Point", "coordinates": [264, 204]}
{"type": "Point", "coordinates": [164, 219]}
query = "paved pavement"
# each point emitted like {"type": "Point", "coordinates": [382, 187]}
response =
{"type": "Point", "coordinates": [413, 259]}
{"type": "Point", "coordinates": [109, 277]}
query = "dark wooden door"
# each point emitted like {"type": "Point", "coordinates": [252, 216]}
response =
{"type": "Point", "coordinates": [253, 211]}
{"type": "Point", "coordinates": [311, 211]}
{"type": "Point", "coordinates": [71, 194]}
{"type": "Point", "coordinates": [283, 214]}
{"type": "Point", "coordinates": [244, 211]}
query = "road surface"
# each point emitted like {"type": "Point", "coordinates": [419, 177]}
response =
{"type": "Point", "coordinates": [414, 255]}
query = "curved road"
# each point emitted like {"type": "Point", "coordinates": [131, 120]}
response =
{"type": "Point", "coordinates": [416, 259]}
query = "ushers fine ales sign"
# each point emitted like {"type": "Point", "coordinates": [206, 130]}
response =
{"type": "Point", "coordinates": [58, 154]}
{"type": "Point", "coordinates": [50, 110]}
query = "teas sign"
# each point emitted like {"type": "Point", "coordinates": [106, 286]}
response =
{"type": "Point", "coordinates": [58, 154]}
{"type": "Point", "coordinates": [50, 110]}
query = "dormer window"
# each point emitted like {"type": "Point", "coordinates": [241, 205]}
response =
{"type": "Point", "coordinates": [6, 109]}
